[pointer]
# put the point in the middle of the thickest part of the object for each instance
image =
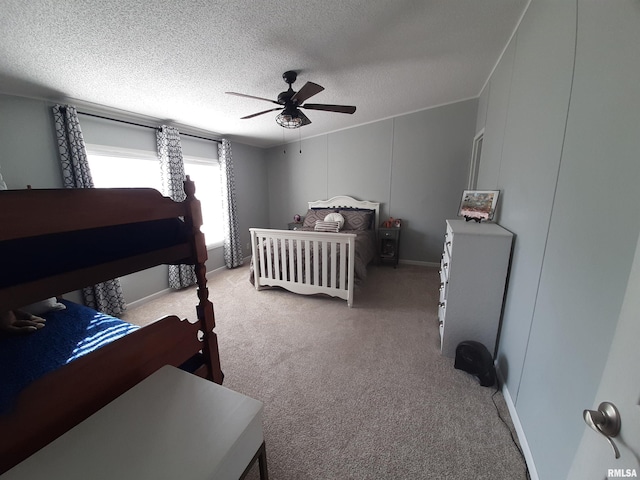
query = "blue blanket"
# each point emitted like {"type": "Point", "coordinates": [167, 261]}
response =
{"type": "Point", "coordinates": [68, 334]}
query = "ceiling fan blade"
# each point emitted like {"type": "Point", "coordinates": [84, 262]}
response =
{"type": "Point", "coordinates": [329, 108]}
{"type": "Point", "coordinates": [251, 96]}
{"type": "Point", "coordinates": [308, 90]}
{"type": "Point", "coordinates": [260, 113]}
{"type": "Point", "coordinates": [305, 119]}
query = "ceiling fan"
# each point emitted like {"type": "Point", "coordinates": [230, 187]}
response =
{"type": "Point", "coordinates": [291, 102]}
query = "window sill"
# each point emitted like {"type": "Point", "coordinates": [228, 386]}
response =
{"type": "Point", "coordinates": [218, 244]}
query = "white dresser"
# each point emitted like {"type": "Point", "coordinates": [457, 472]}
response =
{"type": "Point", "coordinates": [473, 273]}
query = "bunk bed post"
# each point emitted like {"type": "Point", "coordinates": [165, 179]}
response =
{"type": "Point", "coordinates": [204, 310]}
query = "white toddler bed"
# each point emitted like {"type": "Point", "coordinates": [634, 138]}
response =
{"type": "Point", "coordinates": [307, 261]}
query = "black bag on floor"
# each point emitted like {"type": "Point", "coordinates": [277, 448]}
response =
{"type": "Point", "coordinates": [474, 358]}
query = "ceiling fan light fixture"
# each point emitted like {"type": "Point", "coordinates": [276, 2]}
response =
{"type": "Point", "coordinates": [287, 120]}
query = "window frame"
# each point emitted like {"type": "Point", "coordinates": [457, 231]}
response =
{"type": "Point", "coordinates": [145, 155]}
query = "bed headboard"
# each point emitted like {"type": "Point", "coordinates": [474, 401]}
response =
{"type": "Point", "coordinates": [345, 201]}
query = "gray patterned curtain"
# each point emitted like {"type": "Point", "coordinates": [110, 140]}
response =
{"type": "Point", "coordinates": [172, 171]}
{"type": "Point", "coordinates": [232, 246]}
{"type": "Point", "coordinates": [105, 297]}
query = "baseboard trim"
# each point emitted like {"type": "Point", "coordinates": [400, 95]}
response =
{"type": "Point", "coordinates": [522, 438]}
{"type": "Point", "coordinates": [210, 273]}
{"type": "Point", "coordinates": [153, 296]}
{"type": "Point", "coordinates": [148, 298]}
{"type": "Point", "coordinates": [419, 263]}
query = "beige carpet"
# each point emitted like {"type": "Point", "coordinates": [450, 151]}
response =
{"type": "Point", "coordinates": [354, 393]}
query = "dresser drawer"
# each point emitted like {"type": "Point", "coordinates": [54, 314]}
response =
{"type": "Point", "coordinates": [443, 293]}
{"type": "Point", "coordinates": [442, 309]}
{"type": "Point", "coordinates": [447, 248]}
{"type": "Point", "coordinates": [444, 270]}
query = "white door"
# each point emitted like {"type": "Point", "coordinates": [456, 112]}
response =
{"type": "Point", "coordinates": [620, 385]}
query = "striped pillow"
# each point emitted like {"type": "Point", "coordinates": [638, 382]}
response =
{"type": "Point", "coordinates": [322, 226]}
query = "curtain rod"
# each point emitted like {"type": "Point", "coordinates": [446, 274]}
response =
{"type": "Point", "coordinates": [145, 126]}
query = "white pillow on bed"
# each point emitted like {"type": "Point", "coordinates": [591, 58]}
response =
{"type": "Point", "coordinates": [43, 306]}
{"type": "Point", "coordinates": [335, 217]}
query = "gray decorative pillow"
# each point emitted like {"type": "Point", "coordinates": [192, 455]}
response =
{"type": "Point", "coordinates": [316, 214]}
{"type": "Point", "coordinates": [356, 219]}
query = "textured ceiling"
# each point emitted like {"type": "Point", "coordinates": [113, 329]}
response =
{"type": "Point", "coordinates": [173, 61]}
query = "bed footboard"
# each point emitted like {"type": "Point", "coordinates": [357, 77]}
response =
{"type": "Point", "coordinates": [304, 262]}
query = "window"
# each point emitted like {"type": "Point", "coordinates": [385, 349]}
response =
{"type": "Point", "coordinates": [206, 174]}
{"type": "Point", "coordinates": [120, 168]}
{"type": "Point", "coordinates": [113, 167]}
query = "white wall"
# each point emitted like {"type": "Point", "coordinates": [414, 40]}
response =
{"type": "Point", "coordinates": [416, 165]}
{"type": "Point", "coordinates": [252, 190]}
{"type": "Point", "coordinates": [28, 153]}
{"type": "Point", "coordinates": [562, 145]}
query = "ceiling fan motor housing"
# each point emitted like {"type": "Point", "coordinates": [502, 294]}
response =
{"type": "Point", "coordinates": [290, 76]}
{"type": "Point", "coordinates": [285, 97]}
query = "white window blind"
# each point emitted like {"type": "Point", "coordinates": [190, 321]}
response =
{"type": "Point", "coordinates": [117, 167]}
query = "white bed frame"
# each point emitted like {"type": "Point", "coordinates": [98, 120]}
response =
{"type": "Point", "coordinates": [336, 281]}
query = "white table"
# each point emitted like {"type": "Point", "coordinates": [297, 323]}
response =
{"type": "Point", "coordinates": [172, 425]}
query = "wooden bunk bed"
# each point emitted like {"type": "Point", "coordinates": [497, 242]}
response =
{"type": "Point", "coordinates": [78, 220]}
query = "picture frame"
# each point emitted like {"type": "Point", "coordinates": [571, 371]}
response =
{"type": "Point", "coordinates": [478, 205]}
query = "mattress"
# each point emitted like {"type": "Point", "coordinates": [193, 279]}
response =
{"type": "Point", "coordinates": [68, 335]}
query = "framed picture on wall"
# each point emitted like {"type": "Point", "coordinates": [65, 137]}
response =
{"type": "Point", "coordinates": [478, 205]}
